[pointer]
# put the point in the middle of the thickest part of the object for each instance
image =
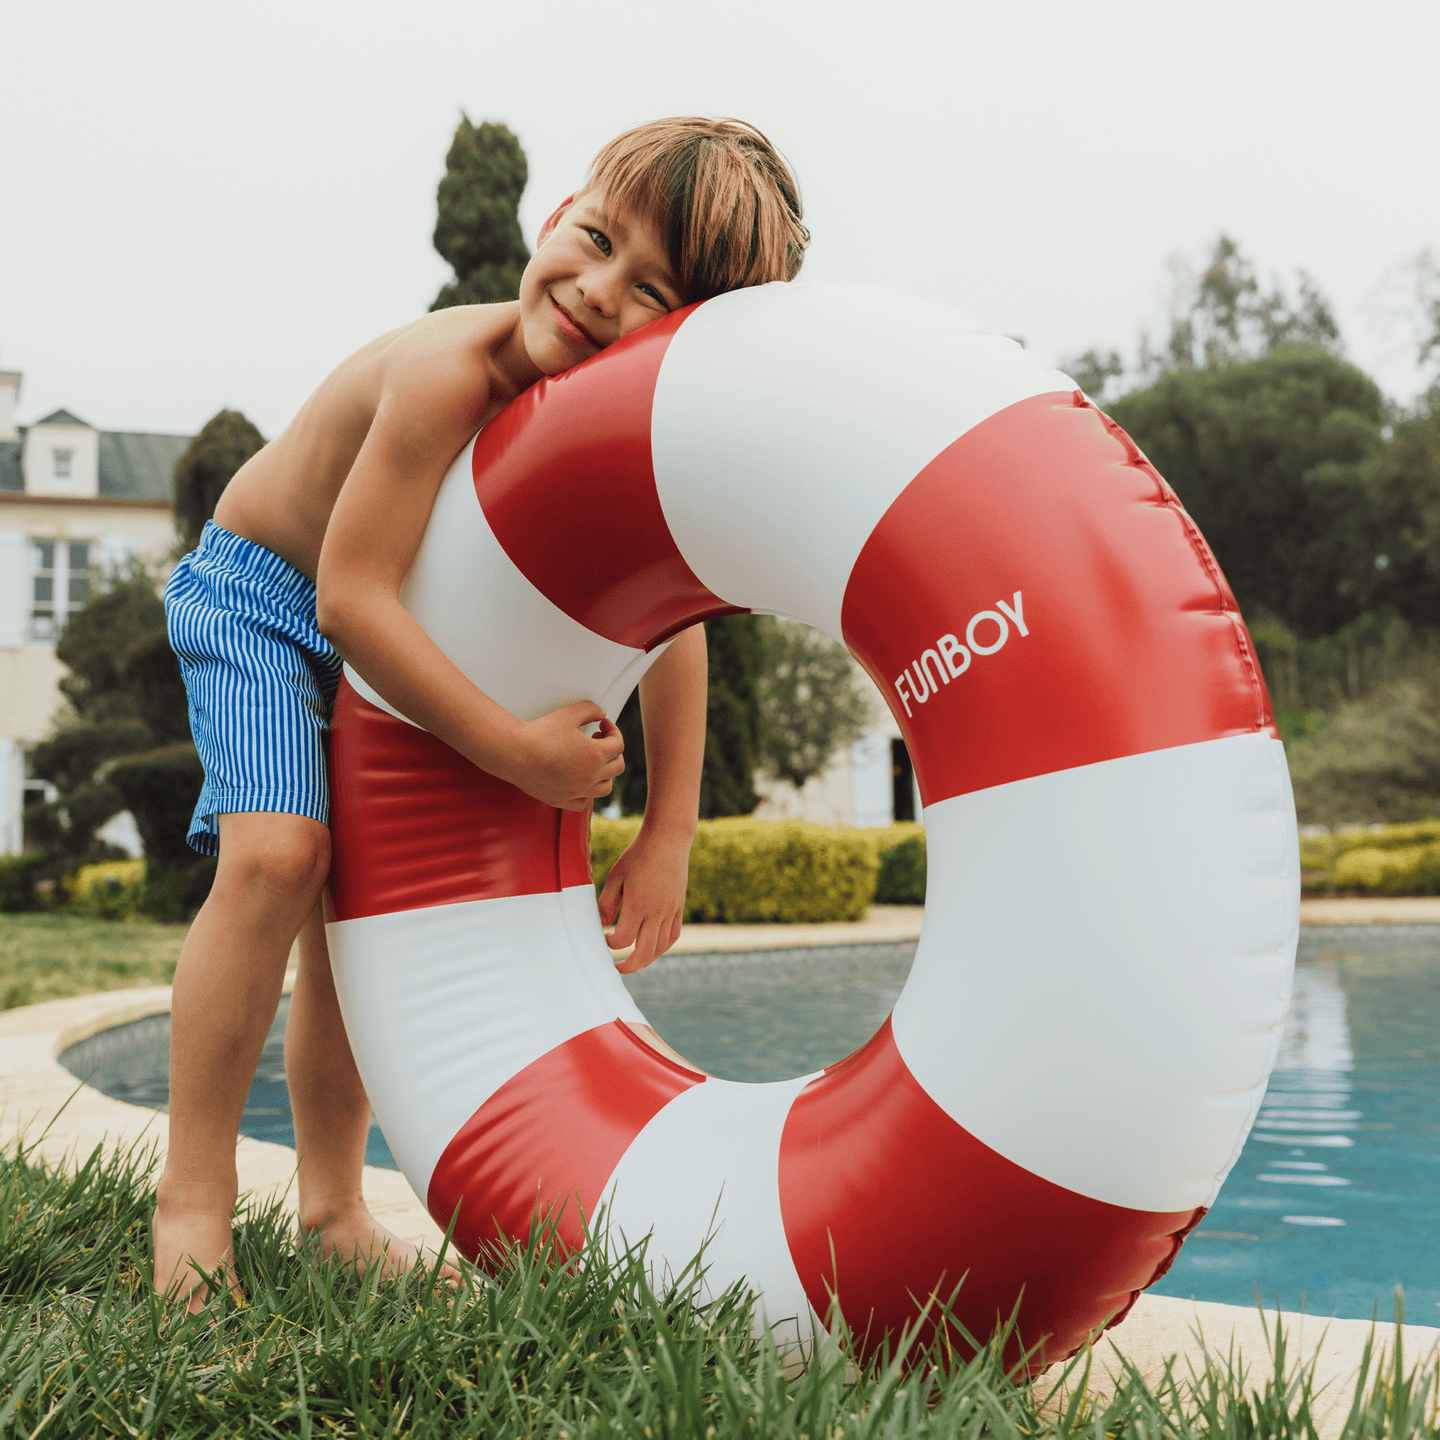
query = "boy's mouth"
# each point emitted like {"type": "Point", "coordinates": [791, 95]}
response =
{"type": "Point", "coordinates": [571, 326]}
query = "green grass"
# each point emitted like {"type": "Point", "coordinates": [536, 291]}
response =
{"type": "Point", "coordinates": [51, 957]}
{"type": "Point", "coordinates": [85, 1350]}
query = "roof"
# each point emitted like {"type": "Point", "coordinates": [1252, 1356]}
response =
{"type": "Point", "coordinates": [139, 467]}
{"type": "Point", "coordinates": [133, 466]}
{"type": "Point", "coordinates": [64, 417]}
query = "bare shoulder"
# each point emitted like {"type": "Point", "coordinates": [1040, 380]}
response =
{"type": "Point", "coordinates": [442, 368]}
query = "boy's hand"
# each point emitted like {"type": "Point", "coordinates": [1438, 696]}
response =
{"type": "Point", "coordinates": [644, 898]}
{"type": "Point", "coordinates": [559, 764]}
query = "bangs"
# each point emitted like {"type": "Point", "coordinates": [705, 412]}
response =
{"type": "Point", "coordinates": [718, 195]}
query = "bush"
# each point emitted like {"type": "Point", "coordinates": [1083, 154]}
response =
{"type": "Point", "coordinates": [1380, 859]}
{"type": "Point", "coordinates": [109, 891]}
{"type": "Point", "coordinates": [18, 874]}
{"type": "Point", "coordinates": [1377, 758]}
{"type": "Point", "coordinates": [746, 871]}
{"type": "Point", "coordinates": [160, 788]}
{"type": "Point", "coordinates": [1397, 870]}
{"type": "Point", "coordinates": [901, 849]}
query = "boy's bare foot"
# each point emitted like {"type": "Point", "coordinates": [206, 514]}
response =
{"type": "Point", "coordinates": [186, 1243]}
{"type": "Point", "coordinates": [352, 1235]}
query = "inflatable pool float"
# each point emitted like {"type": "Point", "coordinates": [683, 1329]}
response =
{"type": "Point", "coordinates": [1112, 912]}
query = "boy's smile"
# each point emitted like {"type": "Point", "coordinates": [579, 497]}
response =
{"type": "Point", "coordinates": [598, 275]}
{"type": "Point", "coordinates": [571, 326]}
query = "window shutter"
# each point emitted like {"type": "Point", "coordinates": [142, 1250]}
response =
{"type": "Point", "coordinates": [12, 589]}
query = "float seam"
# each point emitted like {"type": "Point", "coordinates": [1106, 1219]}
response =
{"type": "Point", "coordinates": [1171, 501]}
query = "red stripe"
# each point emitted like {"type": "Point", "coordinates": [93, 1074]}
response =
{"type": "Point", "coordinates": [565, 478]}
{"type": "Point", "coordinates": [545, 1143]}
{"type": "Point", "coordinates": [416, 824]}
{"type": "Point", "coordinates": [886, 1199]}
{"type": "Point", "coordinates": [1135, 641]}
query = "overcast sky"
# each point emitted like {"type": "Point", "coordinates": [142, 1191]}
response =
{"type": "Point", "coordinates": [207, 205]}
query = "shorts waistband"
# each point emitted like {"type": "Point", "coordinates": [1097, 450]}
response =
{"type": "Point", "coordinates": [223, 549]}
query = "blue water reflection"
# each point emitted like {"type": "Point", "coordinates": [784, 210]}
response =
{"type": "Point", "coordinates": [1336, 1197]}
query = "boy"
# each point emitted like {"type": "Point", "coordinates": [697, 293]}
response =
{"type": "Point", "coordinates": [303, 564]}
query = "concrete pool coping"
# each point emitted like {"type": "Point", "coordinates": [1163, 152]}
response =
{"type": "Point", "coordinates": [62, 1119]}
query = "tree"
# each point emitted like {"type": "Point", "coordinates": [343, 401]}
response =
{"type": "Point", "coordinates": [225, 442]}
{"type": "Point", "coordinates": [1094, 370]}
{"type": "Point", "coordinates": [1221, 316]}
{"type": "Point", "coordinates": [1407, 482]}
{"type": "Point", "coordinates": [127, 744]}
{"type": "Point", "coordinates": [732, 716]}
{"type": "Point", "coordinates": [732, 725]}
{"type": "Point", "coordinates": [99, 645]}
{"type": "Point", "coordinates": [477, 228]}
{"type": "Point", "coordinates": [810, 703]}
{"type": "Point", "coordinates": [1273, 458]}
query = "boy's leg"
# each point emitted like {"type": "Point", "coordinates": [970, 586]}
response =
{"type": "Point", "coordinates": [332, 1117]}
{"type": "Point", "coordinates": [227, 984]}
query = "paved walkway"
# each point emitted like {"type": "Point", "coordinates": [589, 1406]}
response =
{"type": "Point", "coordinates": [61, 1118]}
{"type": "Point", "coordinates": [1381, 910]}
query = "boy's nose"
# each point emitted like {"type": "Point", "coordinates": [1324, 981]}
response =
{"type": "Point", "coordinates": [600, 292]}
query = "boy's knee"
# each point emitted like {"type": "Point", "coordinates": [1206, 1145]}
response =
{"type": "Point", "coordinates": [287, 856]}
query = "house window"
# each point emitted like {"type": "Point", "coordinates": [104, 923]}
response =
{"type": "Point", "coordinates": [62, 459]}
{"type": "Point", "coordinates": [59, 585]}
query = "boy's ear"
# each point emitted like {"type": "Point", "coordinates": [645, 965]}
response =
{"type": "Point", "coordinates": [548, 227]}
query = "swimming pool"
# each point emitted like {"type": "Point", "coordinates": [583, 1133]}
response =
{"type": "Point", "coordinates": [1335, 1198]}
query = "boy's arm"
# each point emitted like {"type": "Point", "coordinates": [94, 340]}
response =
{"type": "Point", "coordinates": [646, 886]}
{"type": "Point", "coordinates": [430, 407]}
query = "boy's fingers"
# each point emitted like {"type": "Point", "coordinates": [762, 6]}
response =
{"type": "Point", "coordinates": [583, 712]}
{"type": "Point", "coordinates": [610, 897]}
{"type": "Point", "coordinates": [623, 936]}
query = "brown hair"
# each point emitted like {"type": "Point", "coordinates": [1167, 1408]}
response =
{"type": "Point", "coordinates": [723, 200]}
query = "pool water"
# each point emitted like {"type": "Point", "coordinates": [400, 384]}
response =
{"type": "Point", "coordinates": [1335, 1198]}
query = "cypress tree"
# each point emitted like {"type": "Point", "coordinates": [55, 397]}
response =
{"type": "Point", "coordinates": [209, 463]}
{"type": "Point", "coordinates": [732, 725]}
{"type": "Point", "coordinates": [477, 229]}
{"type": "Point", "coordinates": [732, 719]}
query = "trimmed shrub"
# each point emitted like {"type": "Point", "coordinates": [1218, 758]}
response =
{"type": "Point", "coordinates": [18, 874]}
{"type": "Point", "coordinates": [160, 788]}
{"type": "Point", "coordinates": [1392, 870]}
{"type": "Point", "coordinates": [901, 849]}
{"type": "Point", "coordinates": [1383, 859]}
{"type": "Point", "coordinates": [787, 872]}
{"type": "Point", "coordinates": [761, 871]}
{"type": "Point", "coordinates": [111, 890]}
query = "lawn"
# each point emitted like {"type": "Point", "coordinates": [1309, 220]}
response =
{"type": "Point", "coordinates": [49, 957]}
{"type": "Point", "coordinates": [543, 1350]}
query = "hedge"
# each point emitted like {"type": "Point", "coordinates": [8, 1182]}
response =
{"type": "Point", "coordinates": [901, 849]}
{"type": "Point", "coordinates": [18, 874]}
{"type": "Point", "coordinates": [744, 870]}
{"type": "Point", "coordinates": [112, 890]}
{"type": "Point", "coordinates": [1383, 860]}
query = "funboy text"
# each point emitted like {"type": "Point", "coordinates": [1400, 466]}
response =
{"type": "Point", "coordinates": [986, 633]}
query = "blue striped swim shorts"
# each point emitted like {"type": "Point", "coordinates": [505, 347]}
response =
{"type": "Point", "coordinates": [260, 678]}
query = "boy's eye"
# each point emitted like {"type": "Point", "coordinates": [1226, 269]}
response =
{"type": "Point", "coordinates": [654, 294]}
{"type": "Point", "coordinates": [602, 241]}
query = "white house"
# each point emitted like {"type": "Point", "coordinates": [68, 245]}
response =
{"type": "Point", "coordinates": [75, 503]}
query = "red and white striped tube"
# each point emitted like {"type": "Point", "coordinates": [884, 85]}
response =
{"type": "Point", "coordinates": [1112, 908]}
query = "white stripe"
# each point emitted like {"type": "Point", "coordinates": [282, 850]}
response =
{"type": "Point", "coordinates": [706, 1169]}
{"type": "Point", "coordinates": [788, 418]}
{"type": "Point", "coordinates": [522, 650]}
{"type": "Point", "coordinates": [1105, 966]}
{"type": "Point", "coordinates": [444, 1005]}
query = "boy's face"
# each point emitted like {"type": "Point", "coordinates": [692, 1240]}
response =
{"type": "Point", "coordinates": [598, 275]}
